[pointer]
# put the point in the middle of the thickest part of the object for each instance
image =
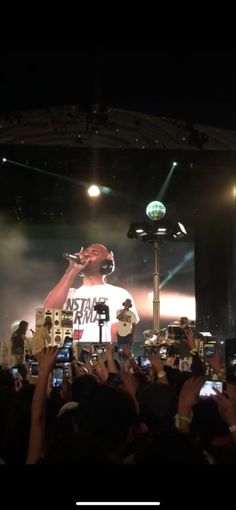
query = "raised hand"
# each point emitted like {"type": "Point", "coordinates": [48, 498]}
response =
{"type": "Point", "coordinates": [47, 358]}
{"type": "Point", "coordinates": [189, 394]}
{"type": "Point", "coordinates": [190, 340]}
{"type": "Point", "coordinates": [156, 362]}
{"type": "Point", "coordinates": [77, 267]}
{"type": "Point", "coordinates": [227, 406]}
{"type": "Point", "coordinates": [215, 362]}
{"type": "Point", "coordinates": [109, 351]}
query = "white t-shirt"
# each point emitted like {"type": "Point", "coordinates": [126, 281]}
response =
{"type": "Point", "coordinates": [82, 300]}
{"type": "Point", "coordinates": [124, 326]}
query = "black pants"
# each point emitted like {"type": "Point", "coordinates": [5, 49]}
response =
{"type": "Point", "coordinates": [124, 340]}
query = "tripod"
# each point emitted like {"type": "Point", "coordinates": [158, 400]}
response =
{"type": "Point", "coordinates": [100, 325]}
{"type": "Point", "coordinates": [103, 316]}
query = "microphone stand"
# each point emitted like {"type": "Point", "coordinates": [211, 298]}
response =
{"type": "Point", "coordinates": [103, 315]}
{"type": "Point", "coordinates": [100, 325]}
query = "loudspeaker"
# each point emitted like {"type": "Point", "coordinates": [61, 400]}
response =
{"type": "Point", "coordinates": [41, 314]}
{"type": "Point", "coordinates": [67, 332]}
{"type": "Point", "coordinates": [62, 318]}
{"type": "Point", "coordinates": [58, 335]}
{"type": "Point", "coordinates": [107, 267]}
{"type": "Point", "coordinates": [59, 318]}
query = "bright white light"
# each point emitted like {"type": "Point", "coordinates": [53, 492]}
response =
{"type": "Point", "coordinates": [4, 160]}
{"type": "Point", "coordinates": [139, 230]}
{"type": "Point", "coordinates": [118, 503]}
{"type": "Point", "coordinates": [171, 305]}
{"type": "Point", "coordinates": [182, 228]}
{"type": "Point", "coordinates": [161, 229]}
{"type": "Point", "coordinates": [14, 326]}
{"type": "Point", "coordinates": [94, 191]}
{"type": "Point", "coordinates": [174, 163]}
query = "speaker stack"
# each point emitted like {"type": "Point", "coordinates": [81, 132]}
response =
{"type": "Point", "coordinates": [62, 323]}
{"type": "Point", "coordinates": [41, 314]}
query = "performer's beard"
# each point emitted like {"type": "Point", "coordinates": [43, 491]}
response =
{"type": "Point", "coordinates": [92, 269]}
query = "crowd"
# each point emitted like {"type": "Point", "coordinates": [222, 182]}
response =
{"type": "Point", "coordinates": [104, 411]}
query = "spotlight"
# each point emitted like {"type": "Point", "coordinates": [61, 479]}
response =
{"type": "Point", "coordinates": [174, 163]}
{"type": "Point", "coordinates": [149, 231]}
{"type": "Point", "coordinates": [94, 191]}
{"type": "Point", "coordinates": [4, 160]}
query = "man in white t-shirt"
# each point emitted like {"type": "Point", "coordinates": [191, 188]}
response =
{"type": "Point", "coordinates": [94, 263]}
{"type": "Point", "coordinates": [126, 325]}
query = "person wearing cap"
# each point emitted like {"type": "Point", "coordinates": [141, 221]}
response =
{"type": "Point", "coordinates": [126, 325]}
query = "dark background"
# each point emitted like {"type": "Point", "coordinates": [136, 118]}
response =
{"type": "Point", "coordinates": [194, 83]}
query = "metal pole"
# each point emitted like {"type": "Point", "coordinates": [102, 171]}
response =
{"type": "Point", "coordinates": [156, 286]}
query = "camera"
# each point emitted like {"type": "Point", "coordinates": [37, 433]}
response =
{"type": "Point", "coordinates": [207, 389]}
{"type": "Point", "coordinates": [163, 351]}
{"type": "Point", "coordinates": [15, 372]}
{"type": "Point", "coordinates": [209, 350]}
{"type": "Point", "coordinates": [166, 351]}
{"type": "Point", "coordinates": [144, 362]}
{"type": "Point", "coordinates": [34, 369]}
{"type": "Point", "coordinates": [68, 342]}
{"type": "Point", "coordinates": [84, 356]}
{"type": "Point", "coordinates": [64, 355]}
{"type": "Point", "coordinates": [57, 377]}
{"type": "Point", "coordinates": [103, 311]}
{"type": "Point", "coordinates": [30, 358]}
{"type": "Point", "coordinates": [178, 334]}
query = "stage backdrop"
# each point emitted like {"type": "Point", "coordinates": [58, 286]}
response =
{"type": "Point", "coordinates": [31, 263]}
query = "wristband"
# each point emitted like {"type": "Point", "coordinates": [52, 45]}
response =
{"type": "Point", "coordinates": [161, 374]}
{"type": "Point", "coordinates": [179, 418]}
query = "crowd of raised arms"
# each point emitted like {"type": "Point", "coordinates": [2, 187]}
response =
{"type": "Point", "coordinates": [107, 409]}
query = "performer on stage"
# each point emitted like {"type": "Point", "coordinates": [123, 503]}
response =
{"type": "Point", "coordinates": [41, 338]}
{"type": "Point", "coordinates": [126, 325]}
{"type": "Point", "coordinates": [93, 264]}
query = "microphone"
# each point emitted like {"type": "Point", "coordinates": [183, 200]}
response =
{"type": "Point", "coordinates": [32, 331]}
{"type": "Point", "coordinates": [73, 258]}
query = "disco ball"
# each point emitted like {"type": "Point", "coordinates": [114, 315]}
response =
{"type": "Point", "coordinates": [155, 211]}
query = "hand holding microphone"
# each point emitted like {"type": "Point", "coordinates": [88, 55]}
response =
{"type": "Point", "coordinates": [77, 261]}
{"type": "Point", "coordinates": [73, 258]}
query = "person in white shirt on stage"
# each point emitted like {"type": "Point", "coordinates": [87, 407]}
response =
{"type": "Point", "coordinates": [93, 264]}
{"type": "Point", "coordinates": [126, 325]}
